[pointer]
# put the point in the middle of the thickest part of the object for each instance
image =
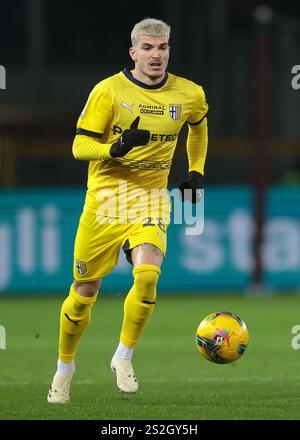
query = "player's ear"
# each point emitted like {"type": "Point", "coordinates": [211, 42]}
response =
{"type": "Point", "coordinates": [132, 53]}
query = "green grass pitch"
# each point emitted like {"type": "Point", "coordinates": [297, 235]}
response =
{"type": "Point", "coordinates": [175, 381]}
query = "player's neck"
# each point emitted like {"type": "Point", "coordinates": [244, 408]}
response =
{"type": "Point", "coordinates": [145, 79]}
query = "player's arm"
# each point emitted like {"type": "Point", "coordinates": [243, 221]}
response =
{"type": "Point", "coordinates": [94, 121]}
{"type": "Point", "coordinates": [197, 142]}
{"type": "Point", "coordinates": [86, 145]}
{"type": "Point", "coordinates": [91, 125]}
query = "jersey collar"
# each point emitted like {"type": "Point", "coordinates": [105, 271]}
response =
{"type": "Point", "coordinates": [131, 78]}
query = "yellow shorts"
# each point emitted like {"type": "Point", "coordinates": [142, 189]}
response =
{"type": "Point", "coordinates": [98, 244]}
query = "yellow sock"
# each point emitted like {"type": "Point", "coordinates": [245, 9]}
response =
{"type": "Point", "coordinates": [139, 303]}
{"type": "Point", "coordinates": [75, 317]}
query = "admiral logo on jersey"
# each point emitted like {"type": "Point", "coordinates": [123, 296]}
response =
{"type": "Point", "coordinates": [152, 109]}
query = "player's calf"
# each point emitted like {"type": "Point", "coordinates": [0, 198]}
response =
{"type": "Point", "coordinates": [138, 307]}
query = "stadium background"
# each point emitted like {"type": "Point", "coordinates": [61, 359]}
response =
{"type": "Point", "coordinates": [53, 53]}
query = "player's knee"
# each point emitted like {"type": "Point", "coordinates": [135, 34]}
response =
{"type": "Point", "coordinates": [88, 289]}
{"type": "Point", "coordinates": [145, 282]}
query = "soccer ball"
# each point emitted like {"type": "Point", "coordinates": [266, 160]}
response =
{"type": "Point", "coordinates": [222, 337]}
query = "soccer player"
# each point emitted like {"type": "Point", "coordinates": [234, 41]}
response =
{"type": "Point", "coordinates": [128, 132]}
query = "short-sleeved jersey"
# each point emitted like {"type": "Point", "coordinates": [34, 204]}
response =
{"type": "Point", "coordinates": [112, 106]}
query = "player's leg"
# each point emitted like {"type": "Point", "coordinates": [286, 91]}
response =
{"type": "Point", "coordinates": [75, 317]}
{"type": "Point", "coordinates": [95, 254]}
{"type": "Point", "coordinates": [140, 301]}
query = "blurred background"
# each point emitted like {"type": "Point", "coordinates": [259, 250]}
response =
{"type": "Point", "coordinates": [245, 54]}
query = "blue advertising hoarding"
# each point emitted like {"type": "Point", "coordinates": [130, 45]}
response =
{"type": "Point", "coordinates": [38, 227]}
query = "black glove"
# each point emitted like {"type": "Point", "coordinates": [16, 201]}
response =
{"type": "Point", "coordinates": [130, 138]}
{"type": "Point", "coordinates": [195, 182]}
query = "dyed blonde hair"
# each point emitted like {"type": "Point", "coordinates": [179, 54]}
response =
{"type": "Point", "coordinates": [150, 27]}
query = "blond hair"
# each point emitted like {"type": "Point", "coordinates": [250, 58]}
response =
{"type": "Point", "coordinates": [150, 27]}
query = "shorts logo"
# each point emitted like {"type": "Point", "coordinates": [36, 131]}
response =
{"type": "Point", "coordinates": [81, 267]}
{"type": "Point", "coordinates": [175, 111]}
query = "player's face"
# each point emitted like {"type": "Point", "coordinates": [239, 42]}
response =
{"type": "Point", "coordinates": [151, 56]}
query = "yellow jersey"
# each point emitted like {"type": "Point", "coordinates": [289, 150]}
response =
{"type": "Point", "coordinates": [112, 106]}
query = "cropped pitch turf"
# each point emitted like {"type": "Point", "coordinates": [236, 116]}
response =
{"type": "Point", "coordinates": [175, 382]}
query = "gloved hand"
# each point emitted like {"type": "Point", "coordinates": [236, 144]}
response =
{"type": "Point", "coordinates": [194, 182]}
{"type": "Point", "coordinates": [132, 137]}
